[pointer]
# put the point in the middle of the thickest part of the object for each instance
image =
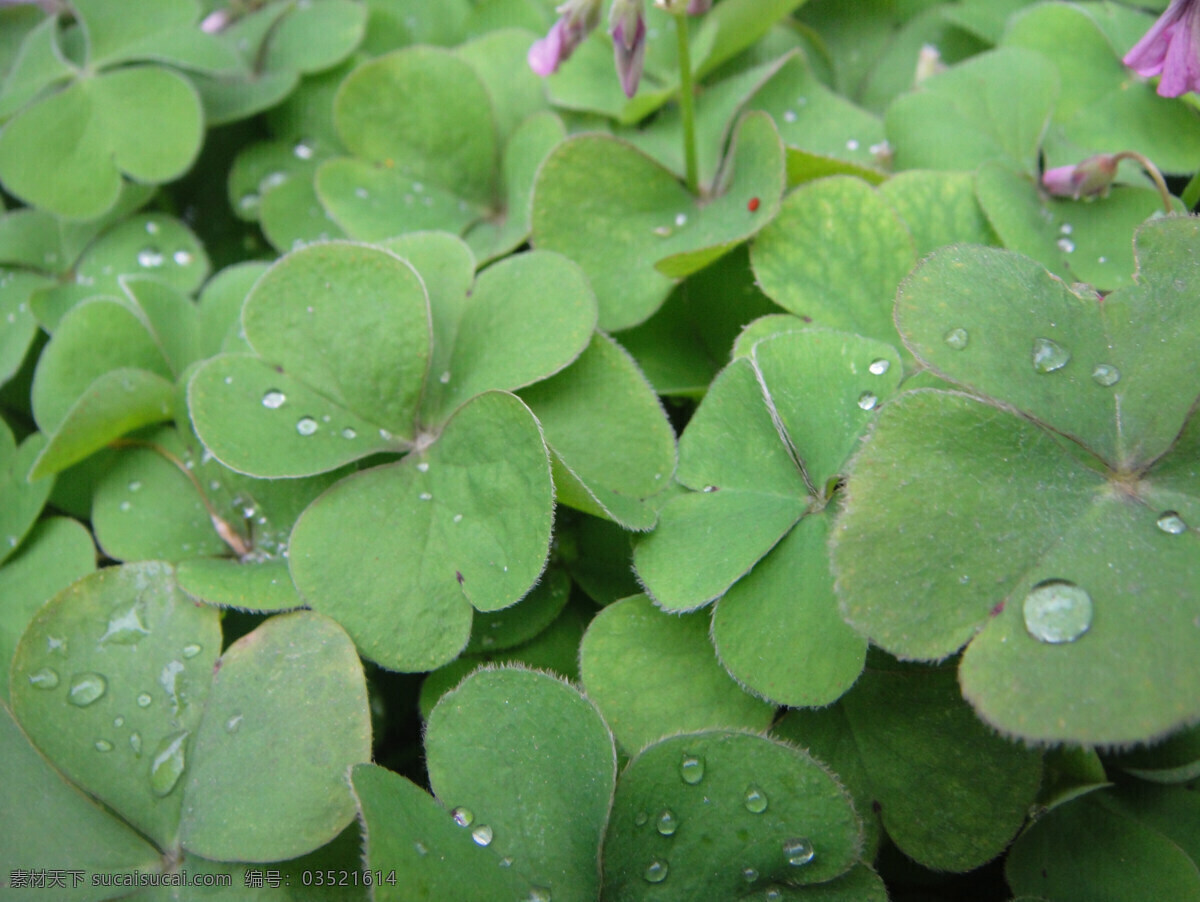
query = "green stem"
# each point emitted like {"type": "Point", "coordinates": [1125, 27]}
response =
{"type": "Point", "coordinates": [1191, 193]}
{"type": "Point", "coordinates": [687, 104]}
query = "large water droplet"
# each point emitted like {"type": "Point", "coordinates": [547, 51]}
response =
{"type": "Point", "coordinates": [798, 851]}
{"type": "Point", "coordinates": [691, 768]}
{"type": "Point", "coordinates": [1057, 611]}
{"type": "Point", "coordinates": [168, 763]}
{"type": "Point", "coordinates": [274, 399]}
{"type": "Point", "coordinates": [482, 835]}
{"type": "Point", "coordinates": [306, 426]}
{"type": "Point", "coordinates": [656, 871]}
{"type": "Point", "coordinates": [667, 822]}
{"type": "Point", "coordinates": [957, 338]}
{"type": "Point", "coordinates": [749, 875]}
{"type": "Point", "coordinates": [867, 400]}
{"type": "Point", "coordinates": [1171, 523]}
{"type": "Point", "coordinates": [150, 257]}
{"type": "Point", "coordinates": [135, 743]}
{"type": "Point", "coordinates": [125, 627]}
{"type": "Point", "coordinates": [879, 367]}
{"type": "Point", "coordinates": [1049, 356]}
{"type": "Point", "coordinates": [143, 700]}
{"type": "Point", "coordinates": [103, 745]}
{"type": "Point", "coordinates": [86, 688]}
{"type": "Point", "coordinates": [190, 651]}
{"type": "Point", "coordinates": [755, 800]}
{"type": "Point", "coordinates": [464, 817]}
{"type": "Point", "coordinates": [45, 678]}
{"type": "Point", "coordinates": [1105, 374]}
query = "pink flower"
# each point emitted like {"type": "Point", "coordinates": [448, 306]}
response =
{"type": "Point", "coordinates": [1171, 48]}
{"type": "Point", "coordinates": [698, 7]}
{"type": "Point", "coordinates": [1092, 176]}
{"type": "Point", "coordinates": [576, 19]}
{"type": "Point", "coordinates": [628, 28]}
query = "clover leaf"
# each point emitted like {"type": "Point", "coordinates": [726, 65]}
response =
{"type": "Point", "coordinates": [1055, 495]}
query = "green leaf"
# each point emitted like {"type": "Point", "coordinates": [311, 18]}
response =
{"type": "Point", "coordinates": [293, 663]}
{"type": "Point", "coordinates": [524, 620]}
{"type": "Point", "coordinates": [994, 106]}
{"type": "Point", "coordinates": [613, 446]}
{"type": "Point", "coordinates": [143, 122]}
{"type": "Point", "coordinates": [58, 552]}
{"type": "Point", "coordinates": [17, 324]}
{"type": "Point", "coordinates": [694, 813]}
{"type": "Point", "coordinates": [110, 35]}
{"type": "Point", "coordinates": [938, 208]}
{"type": "Point", "coordinates": [1175, 761]}
{"type": "Point", "coordinates": [462, 524]}
{"type": "Point", "coordinates": [835, 253]}
{"type": "Point", "coordinates": [264, 587]}
{"type": "Point", "coordinates": [652, 675]}
{"type": "Point", "coordinates": [21, 499]}
{"type": "Point", "coordinates": [111, 674]}
{"type": "Point", "coordinates": [315, 36]}
{"type": "Point", "coordinates": [499, 58]}
{"type": "Point", "coordinates": [38, 65]}
{"type": "Point", "coordinates": [653, 230]}
{"type": "Point", "coordinates": [57, 827]}
{"type": "Point", "coordinates": [951, 794]}
{"type": "Point", "coordinates": [533, 763]}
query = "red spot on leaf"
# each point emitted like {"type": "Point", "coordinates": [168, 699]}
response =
{"type": "Point", "coordinates": [753, 205]}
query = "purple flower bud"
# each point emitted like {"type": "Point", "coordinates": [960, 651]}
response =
{"type": "Point", "coordinates": [1171, 48]}
{"type": "Point", "coordinates": [576, 19]}
{"type": "Point", "coordinates": [698, 7]}
{"type": "Point", "coordinates": [627, 23]}
{"type": "Point", "coordinates": [215, 22]}
{"type": "Point", "coordinates": [1092, 176]}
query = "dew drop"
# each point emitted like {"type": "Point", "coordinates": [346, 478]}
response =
{"type": "Point", "coordinates": [125, 507]}
{"type": "Point", "coordinates": [303, 150]}
{"type": "Point", "coordinates": [249, 202]}
{"type": "Point", "coordinates": [538, 894]}
{"type": "Point", "coordinates": [691, 768]}
{"type": "Point", "coordinates": [755, 799]}
{"type": "Point", "coordinates": [1066, 228]}
{"type": "Point", "coordinates": [464, 817]}
{"type": "Point", "coordinates": [425, 496]}
{"type": "Point", "coordinates": [1066, 245]}
{"type": "Point", "coordinates": [274, 399]}
{"type": "Point", "coordinates": [1057, 611]}
{"type": "Point", "coordinates": [143, 700]}
{"type": "Point", "coordinates": [639, 819]}
{"type": "Point", "coordinates": [349, 433]}
{"type": "Point", "coordinates": [956, 339]}
{"type": "Point", "coordinates": [135, 486]}
{"type": "Point", "coordinates": [506, 861]}
{"type": "Point", "coordinates": [852, 144]}
{"type": "Point", "coordinates": [1171, 523]}
{"type": "Point", "coordinates": [306, 426]}
{"type": "Point", "coordinates": [798, 851]}
{"type": "Point", "coordinates": [710, 489]}
{"type": "Point", "coordinates": [150, 257]}
{"type": "Point", "coordinates": [423, 466]}
{"type": "Point", "coordinates": [1105, 374]}
{"type": "Point", "coordinates": [190, 651]}
{"type": "Point", "coordinates": [126, 627]}
{"type": "Point", "coordinates": [667, 823]}
{"type": "Point", "coordinates": [182, 257]}
{"type": "Point", "coordinates": [118, 721]}
{"type": "Point", "coordinates": [749, 875]}
{"type": "Point", "coordinates": [879, 367]}
{"type": "Point", "coordinates": [444, 378]}
{"type": "Point", "coordinates": [773, 895]}
{"type": "Point", "coordinates": [103, 745]}
{"type": "Point", "coordinates": [385, 435]}
{"type": "Point", "coordinates": [789, 115]}
{"type": "Point", "coordinates": [868, 400]}
{"type": "Point", "coordinates": [656, 871]}
{"type": "Point", "coordinates": [680, 219]}
{"type": "Point", "coordinates": [482, 835]}
{"type": "Point", "coordinates": [86, 688]}
{"type": "Point", "coordinates": [135, 743]}
{"type": "Point", "coordinates": [151, 227]}
{"type": "Point", "coordinates": [361, 193]}
{"type": "Point", "coordinates": [168, 763]}
{"type": "Point", "coordinates": [45, 678]}
{"type": "Point", "coordinates": [1049, 356]}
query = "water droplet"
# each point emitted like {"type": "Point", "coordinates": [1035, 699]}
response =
{"type": "Point", "coordinates": [1106, 374]}
{"type": "Point", "coordinates": [118, 721]}
{"type": "Point", "coordinates": [249, 202]}
{"type": "Point", "coordinates": [1057, 611]}
{"type": "Point", "coordinates": [349, 433]}
{"type": "Point", "coordinates": [385, 435]}
{"type": "Point", "coordinates": [151, 227]}
{"type": "Point", "coordinates": [86, 688]}
{"type": "Point", "coordinates": [710, 489]}
{"type": "Point", "coordinates": [464, 817]}
{"type": "Point", "coordinates": [425, 496]}
{"type": "Point", "coordinates": [755, 799]}
{"type": "Point", "coordinates": [45, 678]}
{"type": "Point", "coordinates": [306, 426]}
{"type": "Point", "coordinates": [667, 823]}
{"type": "Point", "coordinates": [143, 700]}
{"type": "Point", "coordinates": [420, 847]}
{"type": "Point", "coordinates": [150, 257]}
{"type": "Point", "coordinates": [680, 219]}
{"type": "Point", "coordinates": [190, 651]}
{"type": "Point", "coordinates": [506, 861]}
{"type": "Point", "coordinates": [303, 150]}
{"type": "Point", "coordinates": [798, 851]}
{"type": "Point", "coordinates": [232, 725]}
{"type": "Point", "coordinates": [274, 399]}
{"type": "Point", "coordinates": [458, 518]}
{"type": "Point", "coordinates": [135, 743]}
{"type": "Point", "coordinates": [1066, 245]}
{"type": "Point", "coordinates": [135, 486]}
{"type": "Point", "coordinates": [879, 367]}
{"type": "Point", "coordinates": [182, 257]}
{"type": "Point", "coordinates": [749, 875]}
{"type": "Point", "coordinates": [272, 180]}
{"type": "Point", "coordinates": [125, 628]}
{"type": "Point", "coordinates": [640, 819]}
{"type": "Point", "coordinates": [418, 187]}
{"type": "Point", "coordinates": [168, 678]}
{"type": "Point", "coordinates": [103, 745]}
{"type": "Point", "coordinates": [956, 339]}
{"type": "Point", "coordinates": [1066, 228]}
{"type": "Point", "coordinates": [482, 835]}
{"type": "Point", "coordinates": [773, 895]}
{"type": "Point", "coordinates": [538, 894]}
{"type": "Point", "coordinates": [1049, 356]}
{"type": "Point", "coordinates": [867, 400]}
{"type": "Point", "coordinates": [168, 763]}
{"type": "Point", "coordinates": [691, 768]}
{"type": "Point", "coordinates": [125, 507]}
{"type": "Point", "coordinates": [656, 871]}
{"type": "Point", "coordinates": [662, 231]}
{"type": "Point", "coordinates": [423, 466]}
{"type": "Point", "coordinates": [361, 193]}
{"type": "Point", "coordinates": [852, 144]}
{"type": "Point", "coordinates": [1171, 523]}
{"type": "Point", "coordinates": [444, 378]}
{"type": "Point", "coordinates": [789, 115]}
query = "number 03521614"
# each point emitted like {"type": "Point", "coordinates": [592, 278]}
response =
{"type": "Point", "coordinates": [347, 878]}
